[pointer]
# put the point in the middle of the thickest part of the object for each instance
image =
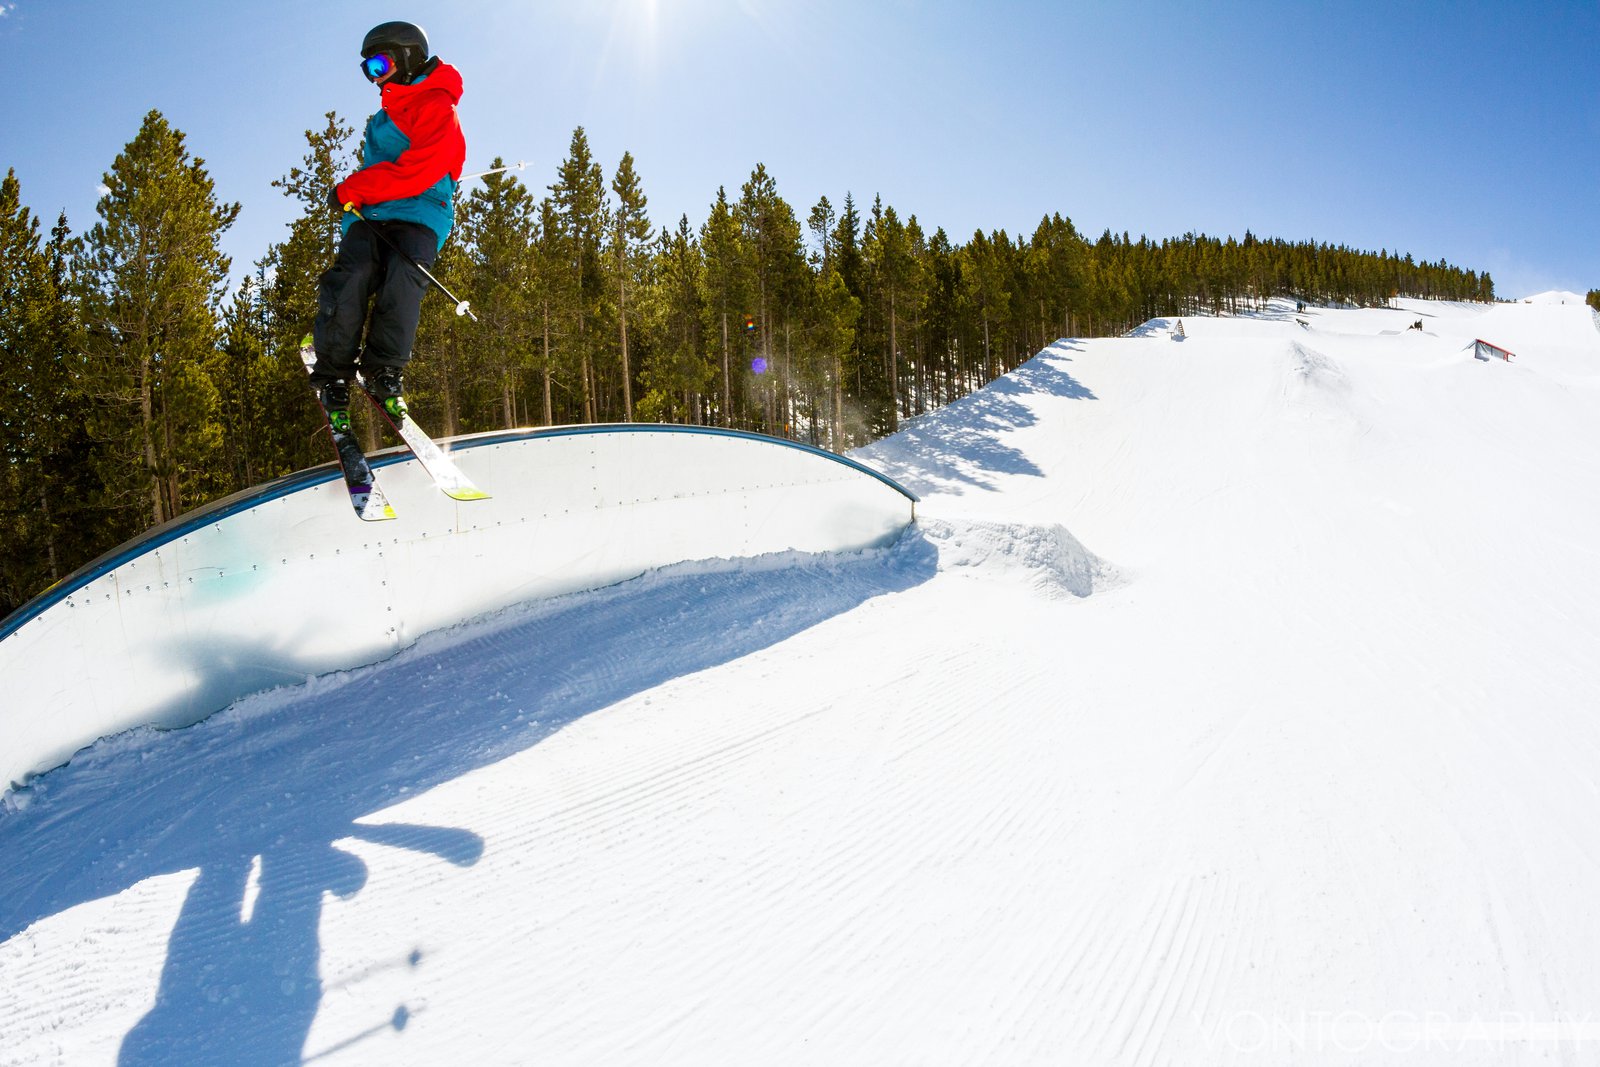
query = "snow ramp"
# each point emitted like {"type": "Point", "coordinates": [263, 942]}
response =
{"type": "Point", "coordinates": [282, 583]}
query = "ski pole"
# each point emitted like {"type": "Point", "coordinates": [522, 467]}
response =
{"type": "Point", "coordinates": [461, 305]}
{"type": "Point", "coordinates": [498, 170]}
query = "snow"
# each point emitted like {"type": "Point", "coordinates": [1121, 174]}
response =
{"type": "Point", "coordinates": [1233, 700]}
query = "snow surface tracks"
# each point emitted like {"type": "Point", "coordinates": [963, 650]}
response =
{"type": "Point", "coordinates": [241, 834]}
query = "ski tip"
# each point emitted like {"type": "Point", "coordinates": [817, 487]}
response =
{"type": "Point", "coordinates": [370, 506]}
{"type": "Point", "coordinates": [376, 514]}
{"type": "Point", "coordinates": [466, 494]}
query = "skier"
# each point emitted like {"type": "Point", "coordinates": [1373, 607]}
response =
{"type": "Point", "coordinates": [412, 154]}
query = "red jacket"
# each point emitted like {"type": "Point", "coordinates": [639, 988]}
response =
{"type": "Point", "coordinates": [425, 114]}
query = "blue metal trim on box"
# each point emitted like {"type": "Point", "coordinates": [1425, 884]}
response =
{"type": "Point", "coordinates": [218, 510]}
{"type": "Point", "coordinates": [495, 437]}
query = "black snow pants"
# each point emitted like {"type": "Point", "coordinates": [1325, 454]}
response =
{"type": "Point", "coordinates": [367, 268]}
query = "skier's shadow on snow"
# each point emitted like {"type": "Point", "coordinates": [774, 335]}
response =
{"type": "Point", "coordinates": [259, 804]}
{"type": "Point", "coordinates": [965, 447]}
{"type": "Point", "coordinates": [241, 982]}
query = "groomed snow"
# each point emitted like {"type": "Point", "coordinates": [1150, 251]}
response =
{"type": "Point", "coordinates": [1234, 700]}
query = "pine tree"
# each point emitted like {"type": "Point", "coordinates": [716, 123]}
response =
{"type": "Point", "coordinates": [446, 381]}
{"type": "Point", "coordinates": [941, 276]}
{"type": "Point", "coordinates": [153, 279]}
{"type": "Point", "coordinates": [243, 374]}
{"type": "Point", "coordinates": [913, 310]}
{"type": "Point", "coordinates": [985, 293]}
{"type": "Point", "coordinates": [890, 259]}
{"type": "Point", "coordinates": [846, 248]}
{"type": "Point", "coordinates": [547, 298]}
{"type": "Point", "coordinates": [630, 231]}
{"type": "Point", "coordinates": [497, 230]}
{"type": "Point", "coordinates": [821, 222]}
{"type": "Point", "coordinates": [288, 273]}
{"type": "Point", "coordinates": [775, 256]}
{"type": "Point", "coordinates": [827, 368]}
{"type": "Point", "coordinates": [1053, 268]}
{"type": "Point", "coordinates": [837, 313]}
{"type": "Point", "coordinates": [25, 422]}
{"type": "Point", "coordinates": [722, 245]}
{"type": "Point", "coordinates": [579, 195]}
{"type": "Point", "coordinates": [677, 374]}
{"type": "Point", "coordinates": [46, 525]}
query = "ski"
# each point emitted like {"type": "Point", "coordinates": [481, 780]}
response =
{"type": "Point", "coordinates": [445, 474]}
{"type": "Point", "coordinates": [366, 496]}
{"type": "Point", "coordinates": [368, 499]}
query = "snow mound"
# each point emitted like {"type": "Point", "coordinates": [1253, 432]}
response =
{"type": "Point", "coordinates": [1554, 296]}
{"type": "Point", "coordinates": [1151, 328]}
{"type": "Point", "coordinates": [1311, 369]}
{"type": "Point", "coordinates": [1047, 559]}
{"type": "Point", "coordinates": [1315, 385]}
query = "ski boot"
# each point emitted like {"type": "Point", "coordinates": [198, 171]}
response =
{"type": "Point", "coordinates": [387, 388]}
{"type": "Point", "coordinates": [335, 397]}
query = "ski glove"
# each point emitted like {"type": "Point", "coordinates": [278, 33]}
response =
{"type": "Point", "coordinates": [333, 199]}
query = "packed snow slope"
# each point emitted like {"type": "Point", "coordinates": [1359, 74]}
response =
{"type": "Point", "coordinates": [1233, 701]}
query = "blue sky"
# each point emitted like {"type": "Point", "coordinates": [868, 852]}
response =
{"type": "Point", "coordinates": [1468, 131]}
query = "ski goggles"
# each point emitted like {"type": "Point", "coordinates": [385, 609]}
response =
{"type": "Point", "coordinates": [377, 67]}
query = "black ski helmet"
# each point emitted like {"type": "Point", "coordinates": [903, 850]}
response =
{"type": "Point", "coordinates": [403, 42]}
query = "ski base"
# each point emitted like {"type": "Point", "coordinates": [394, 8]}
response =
{"type": "Point", "coordinates": [445, 474]}
{"type": "Point", "coordinates": [370, 503]}
{"type": "Point", "coordinates": [366, 496]}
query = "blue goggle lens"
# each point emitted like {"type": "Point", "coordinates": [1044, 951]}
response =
{"type": "Point", "coordinates": [375, 67]}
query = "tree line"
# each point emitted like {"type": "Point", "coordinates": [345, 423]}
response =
{"type": "Point", "coordinates": [139, 382]}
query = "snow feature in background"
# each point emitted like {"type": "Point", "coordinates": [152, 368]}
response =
{"type": "Point", "coordinates": [1554, 296]}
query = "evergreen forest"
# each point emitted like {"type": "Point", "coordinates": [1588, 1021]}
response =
{"type": "Point", "coordinates": [139, 379]}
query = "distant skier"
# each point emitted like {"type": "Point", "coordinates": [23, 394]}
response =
{"type": "Point", "coordinates": [412, 155]}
